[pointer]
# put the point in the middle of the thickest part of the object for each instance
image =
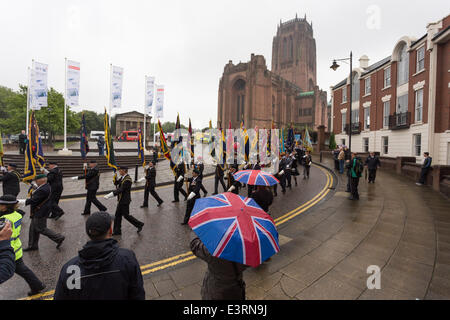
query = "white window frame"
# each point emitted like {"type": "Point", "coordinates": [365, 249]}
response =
{"type": "Point", "coordinates": [386, 115]}
{"type": "Point", "coordinates": [418, 61]}
{"type": "Point", "coordinates": [417, 152]}
{"type": "Point", "coordinates": [366, 146]}
{"type": "Point", "coordinates": [385, 146]}
{"type": "Point", "coordinates": [344, 94]}
{"type": "Point", "coordinates": [386, 79]}
{"type": "Point", "coordinates": [367, 86]}
{"type": "Point", "coordinates": [417, 108]}
{"type": "Point", "coordinates": [343, 121]}
{"type": "Point", "coordinates": [367, 118]}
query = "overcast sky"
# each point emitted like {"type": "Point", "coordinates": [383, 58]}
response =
{"type": "Point", "coordinates": [185, 44]}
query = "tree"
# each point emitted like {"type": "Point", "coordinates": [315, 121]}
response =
{"type": "Point", "coordinates": [332, 144]}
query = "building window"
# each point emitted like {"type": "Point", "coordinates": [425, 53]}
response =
{"type": "Point", "coordinates": [344, 120]}
{"type": "Point", "coordinates": [355, 116]}
{"type": "Point", "coordinates": [343, 142]}
{"type": "Point", "coordinates": [385, 145]}
{"type": "Point", "coordinates": [419, 105]}
{"type": "Point", "coordinates": [355, 88]}
{"type": "Point", "coordinates": [386, 112]}
{"type": "Point", "coordinates": [367, 86]}
{"type": "Point", "coordinates": [367, 118]}
{"type": "Point", "coordinates": [402, 103]}
{"type": "Point", "coordinates": [420, 65]}
{"type": "Point", "coordinates": [238, 113]}
{"type": "Point", "coordinates": [366, 144]}
{"type": "Point", "coordinates": [417, 144]}
{"type": "Point", "coordinates": [387, 77]}
{"type": "Point", "coordinates": [300, 113]}
{"type": "Point", "coordinates": [344, 94]}
{"type": "Point", "coordinates": [403, 66]}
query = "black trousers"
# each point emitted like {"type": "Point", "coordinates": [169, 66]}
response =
{"type": "Point", "coordinates": [38, 226]}
{"type": "Point", "coordinates": [28, 275]}
{"type": "Point", "coordinates": [372, 175]}
{"type": "Point", "coordinates": [177, 189]}
{"type": "Point", "coordinates": [423, 175]}
{"type": "Point", "coordinates": [218, 179]}
{"type": "Point", "coordinates": [287, 175]}
{"type": "Point", "coordinates": [189, 206]}
{"type": "Point", "coordinates": [202, 186]}
{"type": "Point", "coordinates": [283, 182]}
{"type": "Point", "coordinates": [354, 187]}
{"type": "Point", "coordinates": [22, 148]}
{"type": "Point", "coordinates": [56, 210]}
{"type": "Point", "coordinates": [306, 171]}
{"type": "Point", "coordinates": [123, 210]}
{"type": "Point", "coordinates": [151, 189]}
{"type": "Point", "coordinates": [91, 197]}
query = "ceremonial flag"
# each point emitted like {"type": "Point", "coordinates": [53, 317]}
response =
{"type": "Point", "coordinates": [33, 151]}
{"type": "Point", "coordinates": [282, 149]}
{"type": "Point", "coordinates": [72, 83]}
{"type": "Point", "coordinates": [230, 144]}
{"type": "Point", "coordinates": [159, 103]}
{"type": "Point", "coordinates": [212, 152]}
{"type": "Point", "coordinates": [307, 141]}
{"type": "Point", "coordinates": [165, 148]}
{"type": "Point", "coordinates": [191, 139]}
{"type": "Point", "coordinates": [38, 85]}
{"type": "Point", "coordinates": [110, 157]}
{"type": "Point", "coordinates": [116, 87]}
{"type": "Point", "coordinates": [84, 143]}
{"type": "Point", "coordinates": [1, 150]}
{"type": "Point", "coordinates": [246, 142]}
{"type": "Point", "coordinates": [141, 148]}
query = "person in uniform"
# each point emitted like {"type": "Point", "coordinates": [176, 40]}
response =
{"type": "Point", "coordinates": [150, 177]}
{"type": "Point", "coordinates": [123, 194]}
{"type": "Point", "coordinates": [294, 165]}
{"type": "Point", "coordinates": [55, 179]}
{"type": "Point", "coordinates": [201, 167]}
{"type": "Point", "coordinates": [233, 185]}
{"type": "Point", "coordinates": [11, 180]}
{"type": "Point", "coordinates": [195, 185]}
{"type": "Point", "coordinates": [178, 183]}
{"type": "Point", "coordinates": [218, 177]}
{"type": "Point", "coordinates": [92, 177]}
{"type": "Point", "coordinates": [41, 206]}
{"type": "Point", "coordinates": [255, 166]}
{"type": "Point", "coordinates": [282, 172]}
{"type": "Point", "coordinates": [307, 161]}
{"type": "Point", "coordinates": [8, 210]}
{"type": "Point", "coordinates": [288, 170]}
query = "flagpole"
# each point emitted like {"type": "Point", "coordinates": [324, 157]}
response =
{"type": "Point", "coordinates": [65, 104]}
{"type": "Point", "coordinates": [110, 94]}
{"type": "Point", "coordinates": [145, 114]}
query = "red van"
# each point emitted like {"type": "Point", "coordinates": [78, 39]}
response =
{"type": "Point", "coordinates": [129, 136]}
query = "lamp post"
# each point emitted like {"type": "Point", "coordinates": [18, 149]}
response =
{"type": "Point", "coordinates": [334, 66]}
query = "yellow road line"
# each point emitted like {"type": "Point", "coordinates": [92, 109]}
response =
{"type": "Point", "coordinates": [191, 257]}
{"type": "Point", "coordinates": [165, 260]}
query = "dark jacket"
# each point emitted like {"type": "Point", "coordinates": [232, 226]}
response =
{"type": "Point", "coordinates": [200, 167]}
{"type": "Point", "coordinates": [195, 185]}
{"type": "Point", "coordinates": [123, 190]}
{"type": "Point", "coordinates": [11, 183]}
{"type": "Point", "coordinates": [372, 163]}
{"type": "Point", "coordinates": [92, 178]}
{"type": "Point", "coordinates": [223, 279]}
{"type": "Point", "coordinates": [263, 198]}
{"type": "Point", "coordinates": [179, 170]}
{"type": "Point", "coordinates": [55, 179]}
{"type": "Point", "coordinates": [219, 171]}
{"type": "Point", "coordinates": [107, 273]}
{"type": "Point", "coordinates": [22, 138]}
{"type": "Point", "coordinates": [427, 163]}
{"type": "Point", "coordinates": [7, 261]}
{"type": "Point", "coordinates": [150, 176]}
{"type": "Point", "coordinates": [232, 182]}
{"type": "Point", "coordinates": [40, 201]}
{"type": "Point", "coordinates": [306, 160]}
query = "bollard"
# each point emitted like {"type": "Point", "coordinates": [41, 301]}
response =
{"type": "Point", "coordinates": [136, 173]}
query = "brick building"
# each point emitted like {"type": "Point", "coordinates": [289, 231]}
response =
{"type": "Point", "coordinates": [132, 121]}
{"type": "Point", "coordinates": [287, 93]}
{"type": "Point", "coordinates": [400, 104]}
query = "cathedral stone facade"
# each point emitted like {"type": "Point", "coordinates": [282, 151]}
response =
{"type": "Point", "coordinates": [286, 94]}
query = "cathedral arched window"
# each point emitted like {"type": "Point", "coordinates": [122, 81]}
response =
{"type": "Point", "coordinates": [284, 49]}
{"type": "Point", "coordinates": [403, 65]}
{"type": "Point", "coordinates": [291, 48]}
{"type": "Point", "coordinates": [239, 97]}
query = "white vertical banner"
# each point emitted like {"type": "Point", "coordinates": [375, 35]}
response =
{"type": "Point", "coordinates": [149, 94]}
{"type": "Point", "coordinates": [116, 87]}
{"type": "Point", "coordinates": [72, 83]}
{"type": "Point", "coordinates": [38, 84]}
{"type": "Point", "coordinates": [159, 104]}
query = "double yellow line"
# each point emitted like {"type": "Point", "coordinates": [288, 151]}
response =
{"type": "Point", "coordinates": [187, 256]}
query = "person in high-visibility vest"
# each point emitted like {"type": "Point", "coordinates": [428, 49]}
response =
{"type": "Point", "coordinates": [8, 207]}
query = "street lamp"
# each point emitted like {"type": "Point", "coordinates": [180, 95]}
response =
{"type": "Point", "coordinates": [334, 66]}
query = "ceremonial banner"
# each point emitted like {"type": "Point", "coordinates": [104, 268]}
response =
{"type": "Point", "coordinates": [110, 157]}
{"type": "Point", "coordinates": [141, 148]}
{"type": "Point", "coordinates": [116, 87]}
{"type": "Point", "coordinates": [165, 148]}
{"type": "Point", "coordinates": [191, 140]}
{"type": "Point", "coordinates": [1, 150]}
{"type": "Point", "coordinates": [33, 151]}
{"type": "Point", "coordinates": [159, 104]}
{"type": "Point", "coordinates": [149, 94]}
{"type": "Point", "coordinates": [307, 141]}
{"type": "Point", "coordinates": [38, 85]}
{"type": "Point", "coordinates": [72, 83]}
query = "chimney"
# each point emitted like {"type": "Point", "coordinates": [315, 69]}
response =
{"type": "Point", "coordinates": [364, 62]}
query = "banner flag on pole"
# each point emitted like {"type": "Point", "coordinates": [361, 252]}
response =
{"type": "Point", "coordinates": [116, 87]}
{"type": "Point", "coordinates": [33, 151]}
{"type": "Point", "coordinates": [165, 148]}
{"type": "Point", "coordinates": [141, 148]}
{"type": "Point", "coordinates": [84, 143]}
{"type": "Point", "coordinates": [307, 141]}
{"type": "Point", "coordinates": [110, 157]}
{"type": "Point", "coordinates": [149, 94]}
{"type": "Point", "coordinates": [159, 103]}
{"type": "Point", "coordinates": [72, 83]}
{"type": "Point", "coordinates": [191, 140]}
{"type": "Point", "coordinates": [38, 84]}
{"type": "Point", "coordinates": [1, 150]}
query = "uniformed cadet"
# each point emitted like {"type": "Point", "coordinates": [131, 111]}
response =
{"type": "Point", "coordinates": [8, 210]}
{"type": "Point", "coordinates": [11, 180]}
{"type": "Point", "coordinates": [201, 167]}
{"type": "Point", "coordinates": [178, 183]}
{"type": "Point", "coordinates": [92, 177]}
{"type": "Point", "coordinates": [195, 185]}
{"type": "Point", "coordinates": [218, 177]}
{"type": "Point", "coordinates": [150, 177]}
{"type": "Point", "coordinates": [123, 193]}
{"type": "Point", "coordinates": [233, 185]}
{"type": "Point", "coordinates": [55, 179]}
{"type": "Point", "coordinates": [254, 166]}
{"type": "Point", "coordinates": [40, 209]}
{"type": "Point", "coordinates": [282, 171]}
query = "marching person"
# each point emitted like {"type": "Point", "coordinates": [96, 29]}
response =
{"type": "Point", "coordinates": [7, 257]}
{"type": "Point", "coordinates": [195, 185]}
{"type": "Point", "coordinates": [254, 166]}
{"type": "Point", "coordinates": [150, 176]}
{"type": "Point", "coordinates": [123, 194]}
{"type": "Point", "coordinates": [201, 167]}
{"type": "Point", "coordinates": [101, 145]}
{"type": "Point", "coordinates": [218, 177]}
{"type": "Point", "coordinates": [233, 185]}
{"type": "Point", "coordinates": [8, 210]}
{"type": "Point", "coordinates": [55, 179]}
{"type": "Point", "coordinates": [107, 272]}
{"type": "Point", "coordinates": [10, 179]}
{"type": "Point", "coordinates": [92, 177]}
{"type": "Point", "coordinates": [372, 163]}
{"type": "Point", "coordinates": [288, 170]}
{"type": "Point", "coordinates": [294, 165]}
{"type": "Point", "coordinates": [178, 183]}
{"type": "Point", "coordinates": [263, 197]}
{"type": "Point", "coordinates": [307, 161]}
{"type": "Point", "coordinates": [425, 168]}
{"type": "Point", "coordinates": [22, 142]}
{"type": "Point", "coordinates": [41, 206]}
{"type": "Point", "coordinates": [282, 172]}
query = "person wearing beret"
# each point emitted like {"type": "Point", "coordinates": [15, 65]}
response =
{"type": "Point", "coordinates": [40, 203]}
{"type": "Point", "coordinates": [55, 179]}
{"type": "Point", "coordinates": [123, 193]}
{"type": "Point", "coordinates": [150, 177]}
{"type": "Point", "coordinates": [195, 185]}
{"type": "Point", "coordinates": [10, 179]}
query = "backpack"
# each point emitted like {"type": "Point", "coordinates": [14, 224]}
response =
{"type": "Point", "coordinates": [359, 167]}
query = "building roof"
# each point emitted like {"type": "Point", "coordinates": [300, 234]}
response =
{"type": "Point", "coordinates": [440, 33]}
{"type": "Point", "coordinates": [376, 65]}
{"type": "Point", "coordinates": [418, 40]}
{"type": "Point", "coordinates": [340, 84]}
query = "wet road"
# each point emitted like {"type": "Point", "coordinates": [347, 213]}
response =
{"type": "Point", "coordinates": [162, 236]}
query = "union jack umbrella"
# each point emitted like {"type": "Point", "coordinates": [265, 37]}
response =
{"type": "Point", "coordinates": [256, 178]}
{"type": "Point", "coordinates": [235, 228]}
